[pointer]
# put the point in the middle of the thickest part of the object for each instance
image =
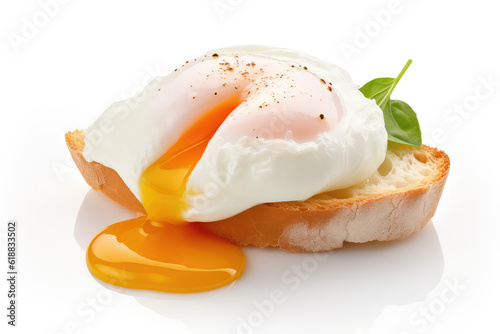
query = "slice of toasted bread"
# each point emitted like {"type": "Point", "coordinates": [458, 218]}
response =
{"type": "Point", "coordinates": [397, 200]}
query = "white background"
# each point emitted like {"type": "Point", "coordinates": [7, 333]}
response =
{"type": "Point", "coordinates": [87, 54]}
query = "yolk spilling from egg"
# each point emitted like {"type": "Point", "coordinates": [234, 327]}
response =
{"type": "Point", "coordinates": [161, 251]}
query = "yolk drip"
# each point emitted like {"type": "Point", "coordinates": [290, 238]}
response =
{"type": "Point", "coordinates": [161, 251]}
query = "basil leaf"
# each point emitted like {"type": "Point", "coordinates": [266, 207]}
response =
{"type": "Point", "coordinates": [381, 89]}
{"type": "Point", "coordinates": [400, 120]}
{"type": "Point", "coordinates": [402, 124]}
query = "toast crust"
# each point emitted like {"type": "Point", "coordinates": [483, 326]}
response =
{"type": "Point", "coordinates": [314, 225]}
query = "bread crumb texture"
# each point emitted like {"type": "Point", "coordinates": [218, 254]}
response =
{"type": "Point", "coordinates": [397, 200]}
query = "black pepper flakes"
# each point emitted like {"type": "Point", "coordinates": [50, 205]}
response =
{"type": "Point", "coordinates": [321, 116]}
{"type": "Point", "coordinates": [323, 81]}
{"type": "Point", "coordinates": [330, 88]}
{"type": "Point", "coordinates": [215, 55]}
{"type": "Point", "coordinates": [305, 68]}
{"type": "Point", "coordinates": [215, 93]}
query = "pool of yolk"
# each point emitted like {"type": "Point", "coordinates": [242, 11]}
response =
{"type": "Point", "coordinates": [161, 251]}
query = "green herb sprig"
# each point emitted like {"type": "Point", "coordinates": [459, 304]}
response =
{"type": "Point", "coordinates": [400, 120]}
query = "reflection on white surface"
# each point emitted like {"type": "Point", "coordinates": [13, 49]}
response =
{"type": "Point", "coordinates": [340, 291]}
{"type": "Point", "coordinates": [96, 212]}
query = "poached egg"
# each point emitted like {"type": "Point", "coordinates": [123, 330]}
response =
{"type": "Point", "coordinates": [229, 130]}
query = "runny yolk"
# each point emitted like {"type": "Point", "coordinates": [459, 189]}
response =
{"type": "Point", "coordinates": [161, 251]}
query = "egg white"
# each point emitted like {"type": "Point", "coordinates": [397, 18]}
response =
{"type": "Point", "coordinates": [239, 170]}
